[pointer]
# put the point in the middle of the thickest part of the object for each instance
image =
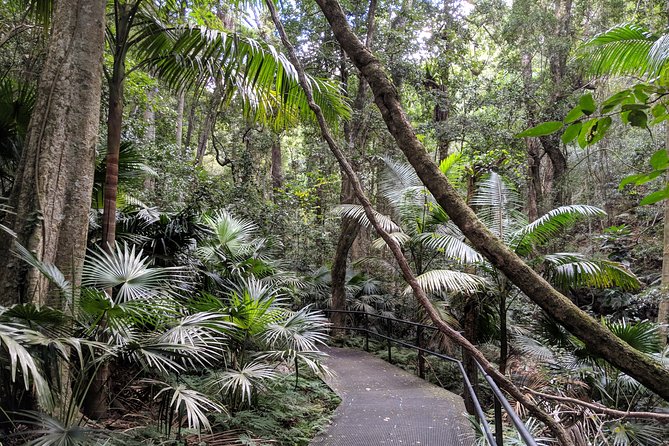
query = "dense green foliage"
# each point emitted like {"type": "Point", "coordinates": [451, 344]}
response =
{"type": "Point", "coordinates": [205, 315]}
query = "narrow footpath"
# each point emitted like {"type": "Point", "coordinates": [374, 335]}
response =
{"type": "Point", "coordinates": [385, 405]}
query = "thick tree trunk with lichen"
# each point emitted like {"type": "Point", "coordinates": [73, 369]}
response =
{"type": "Point", "coordinates": [52, 192]}
{"type": "Point", "coordinates": [597, 338]}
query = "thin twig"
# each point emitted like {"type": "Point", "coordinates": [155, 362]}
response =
{"type": "Point", "coordinates": [600, 409]}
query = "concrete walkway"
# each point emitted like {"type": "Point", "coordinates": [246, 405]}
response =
{"type": "Point", "coordinates": [385, 405]}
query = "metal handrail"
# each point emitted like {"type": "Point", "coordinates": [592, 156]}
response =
{"type": "Point", "coordinates": [492, 440]}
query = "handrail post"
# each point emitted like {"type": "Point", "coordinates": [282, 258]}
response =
{"type": "Point", "coordinates": [421, 357]}
{"type": "Point", "coordinates": [366, 332]}
{"type": "Point", "coordinates": [499, 433]}
{"type": "Point", "coordinates": [389, 333]}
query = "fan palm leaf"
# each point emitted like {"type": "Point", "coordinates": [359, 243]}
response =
{"type": "Point", "coordinates": [192, 403]}
{"type": "Point", "coordinates": [130, 275]}
{"type": "Point", "coordinates": [252, 306]}
{"type": "Point", "coordinates": [235, 237]}
{"type": "Point", "coordinates": [50, 431]}
{"type": "Point", "coordinates": [644, 336]}
{"type": "Point", "coordinates": [302, 330]}
{"type": "Point", "coordinates": [203, 332]}
{"type": "Point", "coordinates": [240, 384]}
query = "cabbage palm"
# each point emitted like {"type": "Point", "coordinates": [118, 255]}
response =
{"type": "Point", "coordinates": [126, 311]}
{"type": "Point", "coordinates": [264, 332]}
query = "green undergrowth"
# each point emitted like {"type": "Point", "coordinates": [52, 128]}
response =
{"type": "Point", "coordinates": [282, 415]}
{"type": "Point", "coordinates": [288, 415]}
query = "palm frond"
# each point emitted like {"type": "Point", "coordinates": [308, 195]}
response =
{"type": "Point", "coordinates": [451, 166]}
{"type": "Point", "coordinates": [452, 247]}
{"type": "Point", "coordinates": [397, 179]}
{"type": "Point", "coordinates": [573, 270]}
{"type": "Point", "coordinates": [499, 206]}
{"type": "Point", "coordinates": [188, 401]}
{"type": "Point", "coordinates": [50, 431]}
{"type": "Point", "coordinates": [203, 332]}
{"type": "Point", "coordinates": [259, 75]}
{"type": "Point", "coordinates": [240, 384]}
{"type": "Point", "coordinates": [4, 209]}
{"type": "Point", "coordinates": [658, 56]}
{"type": "Point", "coordinates": [441, 280]}
{"type": "Point", "coordinates": [546, 227]}
{"type": "Point", "coordinates": [621, 50]}
{"type": "Point", "coordinates": [15, 340]}
{"type": "Point", "coordinates": [130, 275]}
{"type": "Point", "coordinates": [400, 237]}
{"type": "Point", "coordinates": [302, 330]}
{"type": "Point", "coordinates": [51, 272]}
{"type": "Point", "coordinates": [643, 336]}
{"type": "Point", "coordinates": [235, 236]}
{"type": "Point", "coordinates": [154, 355]}
{"type": "Point", "coordinates": [357, 212]}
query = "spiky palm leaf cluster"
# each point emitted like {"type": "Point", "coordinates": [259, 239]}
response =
{"type": "Point", "coordinates": [132, 314]}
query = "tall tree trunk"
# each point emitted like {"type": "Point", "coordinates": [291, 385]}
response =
{"type": "Point", "coordinates": [355, 135]}
{"type": "Point", "coordinates": [97, 397]}
{"type": "Point", "coordinates": [597, 338]}
{"type": "Point", "coordinates": [559, 53]}
{"type": "Point", "coordinates": [150, 117]}
{"type": "Point", "coordinates": [208, 124]}
{"type": "Point", "coordinates": [150, 131]}
{"type": "Point", "coordinates": [533, 176]}
{"type": "Point", "coordinates": [54, 181]}
{"type": "Point", "coordinates": [181, 101]}
{"type": "Point", "coordinates": [125, 15]}
{"type": "Point", "coordinates": [191, 125]}
{"type": "Point", "coordinates": [277, 163]}
{"type": "Point", "coordinates": [663, 310]}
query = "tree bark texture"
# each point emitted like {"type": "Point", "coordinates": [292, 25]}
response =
{"type": "Point", "coordinates": [54, 181]}
{"type": "Point", "coordinates": [598, 339]}
{"type": "Point", "coordinates": [277, 163]}
{"type": "Point", "coordinates": [125, 14]}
